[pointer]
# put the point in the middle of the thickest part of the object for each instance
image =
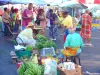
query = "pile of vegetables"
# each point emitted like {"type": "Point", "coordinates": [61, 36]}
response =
{"type": "Point", "coordinates": [41, 38]}
{"type": "Point", "coordinates": [29, 48]}
{"type": "Point", "coordinates": [28, 68]}
{"type": "Point", "coordinates": [43, 42]}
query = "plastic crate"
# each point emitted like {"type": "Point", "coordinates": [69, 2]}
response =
{"type": "Point", "coordinates": [22, 53]}
{"type": "Point", "coordinates": [47, 51]}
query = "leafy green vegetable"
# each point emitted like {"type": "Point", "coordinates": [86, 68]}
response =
{"type": "Point", "coordinates": [41, 38]}
{"type": "Point", "coordinates": [43, 42]}
{"type": "Point", "coordinates": [29, 48]}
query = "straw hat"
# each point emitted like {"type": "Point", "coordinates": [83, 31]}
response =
{"type": "Point", "coordinates": [30, 24]}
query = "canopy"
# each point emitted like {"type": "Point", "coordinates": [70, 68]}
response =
{"type": "Point", "coordinates": [55, 2]}
{"type": "Point", "coordinates": [90, 1]}
{"type": "Point", "coordinates": [95, 8]}
{"type": "Point", "coordinates": [39, 2]}
{"type": "Point", "coordinates": [73, 4]}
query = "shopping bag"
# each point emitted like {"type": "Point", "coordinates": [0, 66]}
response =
{"type": "Point", "coordinates": [48, 22]}
{"type": "Point", "coordinates": [50, 67]}
{"type": "Point", "coordinates": [69, 65]}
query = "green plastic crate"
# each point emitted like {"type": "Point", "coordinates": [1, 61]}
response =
{"type": "Point", "coordinates": [23, 53]}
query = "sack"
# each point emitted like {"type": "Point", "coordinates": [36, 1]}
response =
{"type": "Point", "coordinates": [50, 67]}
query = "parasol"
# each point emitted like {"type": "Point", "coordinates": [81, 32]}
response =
{"type": "Point", "coordinates": [89, 1]}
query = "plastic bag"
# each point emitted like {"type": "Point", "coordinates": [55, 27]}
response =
{"type": "Point", "coordinates": [50, 67]}
{"type": "Point", "coordinates": [69, 65]}
{"type": "Point", "coordinates": [48, 22]}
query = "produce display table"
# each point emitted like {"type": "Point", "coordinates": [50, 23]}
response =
{"type": "Point", "coordinates": [37, 30]}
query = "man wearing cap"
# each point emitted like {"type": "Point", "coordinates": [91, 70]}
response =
{"type": "Point", "coordinates": [67, 22]}
{"type": "Point", "coordinates": [26, 36]}
{"type": "Point", "coordinates": [71, 42]}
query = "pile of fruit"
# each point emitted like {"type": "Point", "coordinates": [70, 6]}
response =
{"type": "Point", "coordinates": [49, 57]}
{"type": "Point", "coordinates": [70, 51]}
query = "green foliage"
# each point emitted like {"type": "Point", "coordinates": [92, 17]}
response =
{"type": "Point", "coordinates": [29, 48]}
{"type": "Point", "coordinates": [28, 68]}
{"type": "Point", "coordinates": [43, 42]}
{"type": "Point", "coordinates": [41, 38]}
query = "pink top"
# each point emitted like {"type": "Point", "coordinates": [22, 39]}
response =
{"type": "Point", "coordinates": [27, 13]}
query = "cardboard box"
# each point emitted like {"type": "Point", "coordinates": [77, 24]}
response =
{"type": "Point", "coordinates": [76, 71]}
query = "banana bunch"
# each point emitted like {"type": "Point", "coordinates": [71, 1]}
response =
{"type": "Point", "coordinates": [28, 68]}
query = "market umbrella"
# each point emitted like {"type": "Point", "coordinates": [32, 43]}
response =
{"type": "Point", "coordinates": [95, 8]}
{"type": "Point", "coordinates": [90, 1]}
{"type": "Point", "coordinates": [73, 4]}
{"type": "Point", "coordinates": [38, 2]}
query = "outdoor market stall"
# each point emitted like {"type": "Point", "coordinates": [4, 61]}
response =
{"type": "Point", "coordinates": [42, 59]}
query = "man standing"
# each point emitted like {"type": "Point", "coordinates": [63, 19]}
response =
{"type": "Point", "coordinates": [67, 23]}
{"type": "Point", "coordinates": [86, 28]}
{"type": "Point", "coordinates": [6, 20]}
{"type": "Point", "coordinates": [27, 16]}
{"type": "Point", "coordinates": [53, 28]}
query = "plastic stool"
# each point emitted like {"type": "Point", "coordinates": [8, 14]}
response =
{"type": "Point", "coordinates": [76, 61]}
{"type": "Point", "coordinates": [73, 59]}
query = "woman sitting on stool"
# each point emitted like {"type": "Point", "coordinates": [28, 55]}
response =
{"type": "Point", "coordinates": [73, 41]}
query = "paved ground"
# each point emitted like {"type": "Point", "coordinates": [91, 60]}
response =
{"type": "Point", "coordinates": [90, 56]}
{"type": "Point", "coordinates": [6, 67]}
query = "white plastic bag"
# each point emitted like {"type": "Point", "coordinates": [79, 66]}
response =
{"type": "Point", "coordinates": [48, 22]}
{"type": "Point", "coordinates": [69, 65]}
{"type": "Point", "coordinates": [50, 67]}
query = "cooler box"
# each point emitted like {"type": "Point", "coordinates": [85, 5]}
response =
{"type": "Point", "coordinates": [22, 53]}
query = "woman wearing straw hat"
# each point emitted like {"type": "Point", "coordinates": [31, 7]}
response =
{"type": "Point", "coordinates": [73, 41]}
{"type": "Point", "coordinates": [26, 36]}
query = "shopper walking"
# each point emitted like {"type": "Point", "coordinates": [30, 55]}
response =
{"type": "Point", "coordinates": [86, 28]}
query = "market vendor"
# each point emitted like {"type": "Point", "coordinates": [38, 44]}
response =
{"type": "Point", "coordinates": [26, 36]}
{"type": "Point", "coordinates": [73, 42]}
